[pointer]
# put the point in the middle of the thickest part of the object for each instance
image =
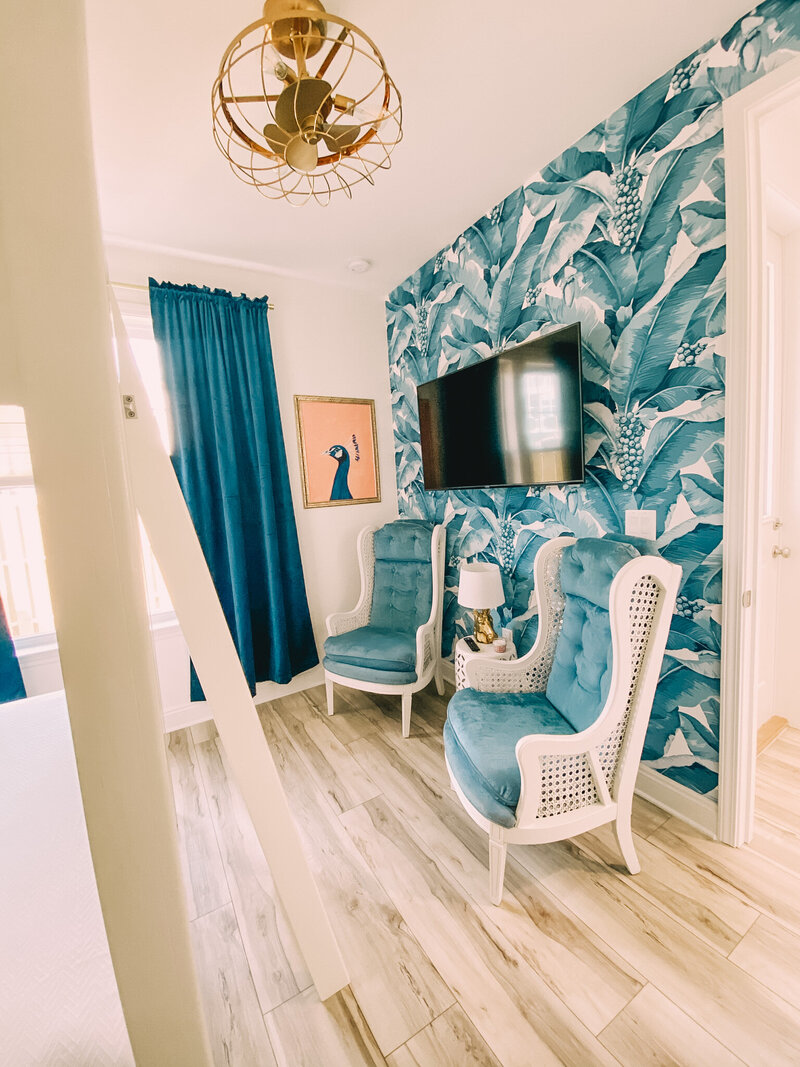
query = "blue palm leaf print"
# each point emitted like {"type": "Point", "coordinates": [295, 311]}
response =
{"type": "Point", "coordinates": [625, 233]}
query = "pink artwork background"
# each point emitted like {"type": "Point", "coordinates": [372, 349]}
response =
{"type": "Point", "coordinates": [326, 424]}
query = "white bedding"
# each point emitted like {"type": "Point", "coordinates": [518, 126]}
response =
{"type": "Point", "coordinates": [59, 1003]}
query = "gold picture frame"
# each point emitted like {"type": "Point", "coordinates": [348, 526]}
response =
{"type": "Point", "coordinates": [347, 470]}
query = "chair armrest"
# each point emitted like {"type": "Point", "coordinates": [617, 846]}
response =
{"type": "Point", "coordinates": [527, 675]}
{"type": "Point", "coordinates": [577, 761]}
{"type": "Point", "coordinates": [341, 622]}
{"type": "Point", "coordinates": [426, 647]}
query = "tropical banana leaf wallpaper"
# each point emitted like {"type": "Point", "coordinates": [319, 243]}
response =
{"type": "Point", "coordinates": [625, 233]}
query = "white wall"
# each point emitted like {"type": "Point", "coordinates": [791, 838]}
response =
{"type": "Point", "coordinates": [327, 341]}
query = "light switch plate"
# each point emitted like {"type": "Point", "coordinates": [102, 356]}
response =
{"type": "Point", "coordinates": [641, 524]}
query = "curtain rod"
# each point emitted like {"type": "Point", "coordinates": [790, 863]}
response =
{"type": "Point", "coordinates": [146, 289]}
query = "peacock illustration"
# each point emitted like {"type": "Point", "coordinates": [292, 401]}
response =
{"type": "Point", "coordinates": [340, 490]}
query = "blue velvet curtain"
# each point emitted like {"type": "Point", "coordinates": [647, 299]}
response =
{"type": "Point", "coordinates": [231, 464]}
{"type": "Point", "coordinates": [11, 684]}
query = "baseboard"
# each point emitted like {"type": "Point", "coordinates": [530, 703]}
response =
{"type": "Point", "coordinates": [769, 731]}
{"type": "Point", "coordinates": [693, 808]}
{"type": "Point", "coordinates": [274, 691]}
{"type": "Point", "coordinates": [186, 715]}
{"type": "Point", "coordinates": [198, 711]}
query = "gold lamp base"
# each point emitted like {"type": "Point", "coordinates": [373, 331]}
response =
{"type": "Point", "coordinates": [484, 631]}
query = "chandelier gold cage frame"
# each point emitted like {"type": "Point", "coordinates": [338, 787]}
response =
{"type": "Point", "coordinates": [303, 104]}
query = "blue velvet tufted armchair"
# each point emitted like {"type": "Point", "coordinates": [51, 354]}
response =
{"type": "Point", "coordinates": [548, 746]}
{"type": "Point", "coordinates": [391, 641]}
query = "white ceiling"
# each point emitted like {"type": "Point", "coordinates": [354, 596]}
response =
{"type": "Point", "coordinates": [491, 92]}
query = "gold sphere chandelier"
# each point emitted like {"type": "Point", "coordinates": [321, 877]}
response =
{"type": "Point", "coordinates": [303, 104]}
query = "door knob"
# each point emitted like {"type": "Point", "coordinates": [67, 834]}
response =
{"type": "Point", "coordinates": [778, 551]}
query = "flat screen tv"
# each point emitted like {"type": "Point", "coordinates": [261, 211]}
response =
{"type": "Point", "coordinates": [513, 419]}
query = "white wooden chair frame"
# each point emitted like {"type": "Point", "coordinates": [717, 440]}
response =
{"type": "Point", "coordinates": [574, 783]}
{"type": "Point", "coordinates": [429, 636]}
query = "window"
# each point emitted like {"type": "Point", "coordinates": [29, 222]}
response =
{"type": "Point", "coordinates": [23, 574]}
{"type": "Point", "coordinates": [23, 578]}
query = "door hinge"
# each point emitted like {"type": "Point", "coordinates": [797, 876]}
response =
{"type": "Point", "coordinates": [129, 406]}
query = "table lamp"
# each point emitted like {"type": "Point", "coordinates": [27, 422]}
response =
{"type": "Point", "coordinates": [480, 587]}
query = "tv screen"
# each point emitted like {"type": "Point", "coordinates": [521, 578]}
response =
{"type": "Point", "coordinates": [513, 419]}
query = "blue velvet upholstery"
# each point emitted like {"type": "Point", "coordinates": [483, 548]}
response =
{"type": "Point", "coordinates": [581, 673]}
{"type": "Point", "coordinates": [403, 589]}
{"type": "Point", "coordinates": [368, 674]}
{"type": "Point", "coordinates": [590, 565]}
{"type": "Point", "coordinates": [480, 737]}
{"type": "Point", "coordinates": [373, 646]}
{"type": "Point", "coordinates": [385, 651]}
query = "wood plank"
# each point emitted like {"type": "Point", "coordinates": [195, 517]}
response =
{"type": "Point", "coordinates": [397, 987]}
{"type": "Point", "coordinates": [781, 760]}
{"type": "Point", "coordinates": [790, 739]}
{"type": "Point", "coordinates": [348, 724]}
{"type": "Point", "coordinates": [576, 964]}
{"type": "Point", "coordinates": [777, 844]}
{"type": "Point", "coordinates": [428, 712]}
{"type": "Point", "coordinates": [771, 953]}
{"type": "Point", "coordinates": [277, 965]}
{"type": "Point", "coordinates": [203, 731]}
{"type": "Point", "coordinates": [418, 755]}
{"type": "Point", "coordinates": [736, 1009]}
{"type": "Point", "coordinates": [771, 804]}
{"type": "Point", "coordinates": [432, 708]}
{"type": "Point", "coordinates": [769, 731]}
{"type": "Point", "coordinates": [308, 1033]}
{"type": "Point", "coordinates": [646, 817]}
{"type": "Point", "coordinates": [449, 1041]}
{"type": "Point", "coordinates": [383, 710]}
{"type": "Point", "coordinates": [757, 881]}
{"type": "Point", "coordinates": [512, 1007]}
{"type": "Point", "coordinates": [710, 911]}
{"type": "Point", "coordinates": [335, 773]}
{"type": "Point", "coordinates": [653, 1031]}
{"type": "Point", "coordinates": [233, 1017]}
{"type": "Point", "coordinates": [203, 873]}
{"type": "Point", "coordinates": [778, 791]}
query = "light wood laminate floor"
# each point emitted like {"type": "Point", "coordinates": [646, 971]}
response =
{"type": "Point", "coordinates": [694, 961]}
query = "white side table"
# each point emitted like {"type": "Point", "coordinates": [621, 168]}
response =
{"type": "Point", "coordinates": [464, 654]}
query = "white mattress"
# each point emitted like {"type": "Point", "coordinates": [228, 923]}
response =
{"type": "Point", "coordinates": [59, 1003]}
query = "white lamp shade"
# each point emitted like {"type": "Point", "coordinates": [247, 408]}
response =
{"type": "Point", "coordinates": [480, 586]}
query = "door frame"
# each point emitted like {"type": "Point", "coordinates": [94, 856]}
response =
{"type": "Point", "coordinates": [746, 340]}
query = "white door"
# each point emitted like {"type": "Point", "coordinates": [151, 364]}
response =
{"type": "Point", "coordinates": [770, 524]}
{"type": "Point", "coordinates": [786, 543]}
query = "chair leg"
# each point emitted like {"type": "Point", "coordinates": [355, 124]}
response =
{"type": "Point", "coordinates": [438, 678]}
{"type": "Point", "coordinates": [329, 695]}
{"type": "Point", "coordinates": [622, 828]}
{"type": "Point", "coordinates": [498, 848]}
{"type": "Point", "coordinates": [406, 713]}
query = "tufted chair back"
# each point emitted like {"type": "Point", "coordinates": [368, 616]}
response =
{"type": "Point", "coordinates": [581, 673]}
{"type": "Point", "coordinates": [403, 587]}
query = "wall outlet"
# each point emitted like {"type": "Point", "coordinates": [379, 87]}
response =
{"type": "Point", "coordinates": [641, 524]}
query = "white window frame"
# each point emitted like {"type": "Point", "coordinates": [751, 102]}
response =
{"type": "Point", "coordinates": [136, 315]}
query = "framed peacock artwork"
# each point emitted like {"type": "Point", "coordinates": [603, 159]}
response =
{"type": "Point", "coordinates": [338, 446]}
